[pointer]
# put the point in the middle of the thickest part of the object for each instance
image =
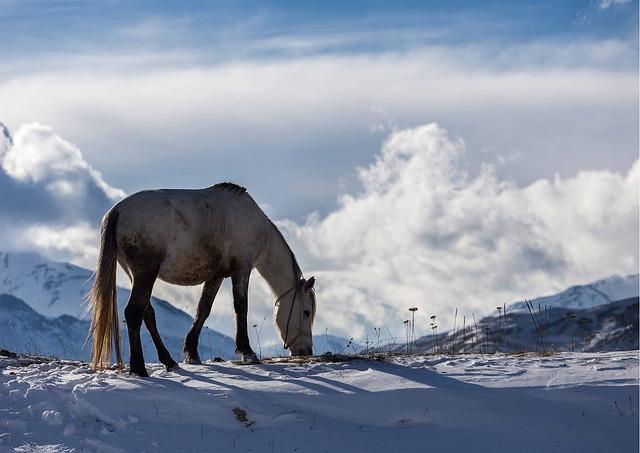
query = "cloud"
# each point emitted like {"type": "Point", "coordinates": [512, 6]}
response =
{"type": "Point", "coordinates": [305, 123]}
{"type": "Point", "coordinates": [423, 232]}
{"type": "Point", "coordinates": [52, 199]}
{"type": "Point", "coordinates": [606, 4]}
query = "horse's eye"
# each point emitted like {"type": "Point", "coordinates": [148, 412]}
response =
{"type": "Point", "coordinates": [307, 313]}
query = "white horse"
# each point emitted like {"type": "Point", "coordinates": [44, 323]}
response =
{"type": "Point", "coordinates": [188, 237]}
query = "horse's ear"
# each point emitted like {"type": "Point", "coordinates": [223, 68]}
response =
{"type": "Point", "coordinates": [308, 285]}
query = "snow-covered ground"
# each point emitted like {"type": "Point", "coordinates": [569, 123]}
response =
{"type": "Point", "coordinates": [565, 402]}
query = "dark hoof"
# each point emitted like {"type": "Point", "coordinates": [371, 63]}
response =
{"type": "Point", "coordinates": [139, 372]}
{"type": "Point", "coordinates": [192, 359]}
{"type": "Point", "coordinates": [171, 366]}
{"type": "Point", "coordinates": [250, 358]}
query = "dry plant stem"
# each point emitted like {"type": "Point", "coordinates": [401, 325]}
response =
{"type": "Point", "coordinates": [504, 311]}
{"type": "Point", "coordinates": [455, 319]}
{"type": "Point", "coordinates": [535, 323]}
{"type": "Point", "coordinates": [209, 339]}
{"type": "Point", "coordinates": [477, 337]}
{"type": "Point", "coordinates": [464, 333]}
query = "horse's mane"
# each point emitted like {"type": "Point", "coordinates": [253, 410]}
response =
{"type": "Point", "coordinates": [296, 268]}
{"type": "Point", "coordinates": [239, 190]}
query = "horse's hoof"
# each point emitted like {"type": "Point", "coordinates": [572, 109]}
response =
{"type": "Point", "coordinates": [139, 373]}
{"type": "Point", "coordinates": [172, 366]}
{"type": "Point", "coordinates": [249, 359]}
{"type": "Point", "coordinates": [191, 360]}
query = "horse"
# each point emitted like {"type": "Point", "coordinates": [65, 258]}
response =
{"type": "Point", "coordinates": [190, 237]}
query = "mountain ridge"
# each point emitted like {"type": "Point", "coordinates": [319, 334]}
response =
{"type": "Point", "coordinates": [590, 295]}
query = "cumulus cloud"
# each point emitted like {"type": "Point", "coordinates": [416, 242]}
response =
{"type": "Point", "coordinates": [423, 232]}
{"type": "Point", "coordinates": [51, 199]}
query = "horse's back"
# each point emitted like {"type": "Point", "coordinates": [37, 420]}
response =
{"type": "Point", "coordinates": [192, 235]}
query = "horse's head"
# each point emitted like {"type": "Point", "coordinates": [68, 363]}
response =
{"type": "Point", "coordinates": [294, 318]}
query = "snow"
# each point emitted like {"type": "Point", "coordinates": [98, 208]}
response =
{"type": "Point", "coordinates": [563, 402]}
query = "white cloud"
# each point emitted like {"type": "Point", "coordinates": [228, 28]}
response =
{"type": "Point", "coordinates": [77, 242]}
{"type": "Point", "coordinates": [51, 199]}
{"type": "Point", "coordinates": [605, 4]}
{"type": "Point", "coordinates": [39, 156]}
{"type": "Point", "coordinates": [558, 104]}
{"type": "Point", "coordinates": [424, 233]}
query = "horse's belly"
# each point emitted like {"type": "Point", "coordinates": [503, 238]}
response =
{"type": "Point", "coordinates": [191, 268]}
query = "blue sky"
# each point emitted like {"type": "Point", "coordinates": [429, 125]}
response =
{"type": "Point", "coordinates": [55, 26]}
{"type": "Point", "coordinates": [326, 112]}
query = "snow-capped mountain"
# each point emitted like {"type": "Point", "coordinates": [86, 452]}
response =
{"type": "Point", "coordinates": [588, 296]}
{"type": "Point", "coordinates": [53, 294]}
{"type": "Point", "coordinates": [607, 327]}
{"type": "Point", "coordinates": [24, 330]}
{"type": "Point", "coordinates": [50, 288]}
{"type": "Point", "coordinates": [601, 316]}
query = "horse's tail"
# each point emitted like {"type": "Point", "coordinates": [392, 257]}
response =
{"type": "Point", "coordinates": [103, 299]}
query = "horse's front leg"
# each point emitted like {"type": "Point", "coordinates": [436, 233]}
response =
{"type": "Point", "coordinates": [240, 281]}
{"type": "Point", "coordinates": [209, 292]}
{"type": "Point", "coordinates": [163, 355]}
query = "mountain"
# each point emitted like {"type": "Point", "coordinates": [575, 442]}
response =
{"type": "Point", "coordinates": [600, 316]}
{"type": "Point", "coordinates": [25, 330]}
{"type": "Point", "coordinates": [51, 289]}
{"type": "Point", "coordinates": [609, 327]}
{"type": "Point", "coordinates": [46, 310]}
{"type": "Point", "coordinates": [586, 296]}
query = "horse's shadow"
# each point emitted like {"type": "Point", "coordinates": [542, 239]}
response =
{"type": "Point", "coordinates": [311, 378]}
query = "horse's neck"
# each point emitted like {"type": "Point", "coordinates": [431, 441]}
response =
{"type": "Point", "coordinates": [276, 266]}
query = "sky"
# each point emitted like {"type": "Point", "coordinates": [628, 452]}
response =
{"type": "Point", "coordinates": [430, 154]}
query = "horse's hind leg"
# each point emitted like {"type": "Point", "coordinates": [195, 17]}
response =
{"type": "Point", "coordinates": [163, 354]}
{"type": "Point", "coordinates": [134, 313]}
{"type": "Point", "coordinates": [209, 292]}
{"type": "Point", "coordinates": [240, 281]}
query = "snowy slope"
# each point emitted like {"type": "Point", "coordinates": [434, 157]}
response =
{"type": "Point", "coordinates": [23, 329]}
{"type": "Point", "coordinates": [585, 296]}
{"type": "Point", "coordinates": [51, 289]}
{"type": "Point", "coordinates": [567, 402]}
